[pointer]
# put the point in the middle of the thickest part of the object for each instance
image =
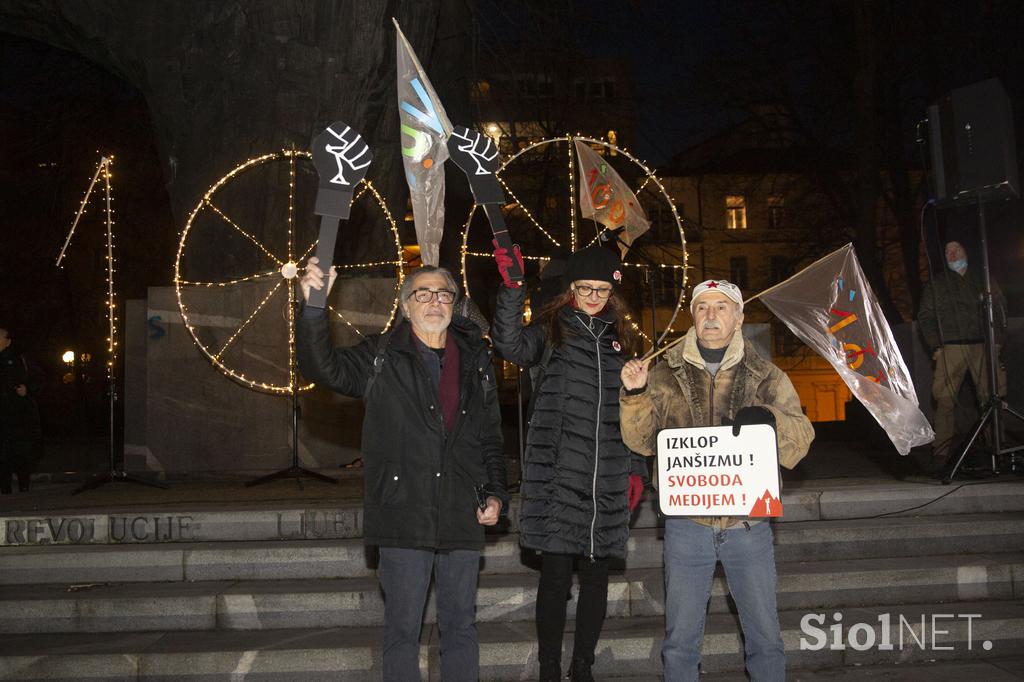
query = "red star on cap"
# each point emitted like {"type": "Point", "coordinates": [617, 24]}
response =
{"type": "Point", "coordinates": [712, 285]}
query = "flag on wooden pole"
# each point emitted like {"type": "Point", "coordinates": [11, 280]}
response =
{"type": "Point", "coordinates": [424, 130]}
{"type": "Point", "coordinates": [606, 198]}
{"type": "Point", "coordinates": [829, 305]}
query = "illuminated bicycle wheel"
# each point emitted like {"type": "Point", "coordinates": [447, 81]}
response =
{"type": "Point", "coordinates": [238, 267]}
{"type": "Point", "coordinates": [541, 183]}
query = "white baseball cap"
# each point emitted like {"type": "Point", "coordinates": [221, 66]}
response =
{"type": "Point", "coordinates": [720, 285]}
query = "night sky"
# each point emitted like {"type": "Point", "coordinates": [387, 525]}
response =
{"type": "Point", "coordinates": [697, 69]}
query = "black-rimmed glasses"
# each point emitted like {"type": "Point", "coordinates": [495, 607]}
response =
{"type": "Point", "coordinates": [585, 291]}
{"type": "Point", "coordinates": [427, 295]}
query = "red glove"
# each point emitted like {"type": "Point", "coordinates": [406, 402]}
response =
{"type": "Point", "coordinates": [635, 492]}
{"type": "Point", "coordinates": [504, 261]}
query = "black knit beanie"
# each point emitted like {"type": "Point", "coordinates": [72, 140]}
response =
{"type": "Point", "coordinates": [594, 262]}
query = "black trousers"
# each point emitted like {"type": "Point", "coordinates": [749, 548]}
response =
{"type": "Point", "coordinates": [591, 606]}
{"type": "Point", "coordinates": [15, 457]}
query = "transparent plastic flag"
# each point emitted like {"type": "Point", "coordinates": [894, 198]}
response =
{"type": "Point", "coordinates": [829, 305]}
{"type": "Point", "coordinates": [606, 198]}
{"type": "Point", "coordinates": [424, 130]}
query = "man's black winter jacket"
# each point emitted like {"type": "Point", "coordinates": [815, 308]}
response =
{"type": "Point", "coordinates": [419, 481]}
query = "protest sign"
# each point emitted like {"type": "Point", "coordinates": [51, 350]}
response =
{"type": "Point", "coordinates": [706, 471]}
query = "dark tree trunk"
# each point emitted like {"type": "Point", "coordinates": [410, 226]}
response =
{"type": "Point", "coordinates": [228, 81]}
{"type": "Point", "coordinates": [868, 156]}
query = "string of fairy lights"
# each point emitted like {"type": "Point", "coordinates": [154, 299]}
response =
{"type": "Point", "coordinates": [289, 270]}
{"type": "Point", "coordinates": [642, 266]}
{"type": "Point", "coordinates": [227, 219]}
{"type": "Point", "coordinates": [259, 306]}
{"type": "Point", "coordinates": [102, 173]}
{"type": "Point", "coordinates": [346, 321]}
{"type": "Point", "coordinates": [293, 377]}
{"type": "Point", "coordinates": [249, 278]}
{"type": "Point", "coordinates": [572, 195]}
{"type": "Point", "coordinates": [638, 329]}
{"type": "Point", "coordinates": [526, 211]}
{"type": "Point", "coordinates": [649, 177]}
{"type": "Point", "coordinates": [111, 303]}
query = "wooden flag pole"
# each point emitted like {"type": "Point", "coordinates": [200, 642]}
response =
{"type": "Point", "coordinates": [650, 356]}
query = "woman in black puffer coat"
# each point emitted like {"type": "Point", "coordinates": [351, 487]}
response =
{"type": "Point", "coordinates": [579, 480]}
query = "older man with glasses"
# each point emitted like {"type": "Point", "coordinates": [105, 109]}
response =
{"type": "Point", "coordinates": [432, 449]}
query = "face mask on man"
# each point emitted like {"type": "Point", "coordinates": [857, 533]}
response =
{"type": "Point", "coordinates": [958, 266]}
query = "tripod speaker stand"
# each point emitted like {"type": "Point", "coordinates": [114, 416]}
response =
{"type": "Point", "coordinates": [995, 406]}
{"type": "Point", "coordinates": [973, 159]}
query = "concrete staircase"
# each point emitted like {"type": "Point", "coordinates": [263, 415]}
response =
{"type": "Point", "coordinates": [281, 592]}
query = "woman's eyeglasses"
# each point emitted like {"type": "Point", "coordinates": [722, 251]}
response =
{"type": "Point", "coordinates": [585, 291]}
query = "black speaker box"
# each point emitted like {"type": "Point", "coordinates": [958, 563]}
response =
{"type": "Point", "coordinates": [972, 144]}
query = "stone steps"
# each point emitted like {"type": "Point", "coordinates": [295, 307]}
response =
{"type": "Point", "coordinates": [357, 602]}
{"type": "Point", "coordinates": [177, 592]}
{"type": "Point", "coordinates": [320, 520]}
{"type": "Point", "coordinates": [349, 558]}
{"type": "Point", "coordinates": [630, 647]}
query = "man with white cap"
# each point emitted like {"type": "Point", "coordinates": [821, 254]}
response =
{"type": "Point", "coordinates": [713, 378]}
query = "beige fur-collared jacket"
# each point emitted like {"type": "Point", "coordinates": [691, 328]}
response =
{"type": "Point", "coordinates": [681, 393]}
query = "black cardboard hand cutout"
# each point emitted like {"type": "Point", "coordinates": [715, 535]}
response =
{"type": "Point", "coordinates": [341, 157]}
{"type": "Point", "coordinates": [477, 156]}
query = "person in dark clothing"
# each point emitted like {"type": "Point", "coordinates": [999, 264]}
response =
{"type": "Point", "coordinates": [580, 482]}
{"type": "Point", "coordinates": [431, 437]}
{"type": "Point", "coordinates": [952, 324]}
{"type": "Point", "coordinates": [20, 429]}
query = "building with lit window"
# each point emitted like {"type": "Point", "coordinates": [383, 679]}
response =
{"type": "Point", "coordinates": [754, 217]}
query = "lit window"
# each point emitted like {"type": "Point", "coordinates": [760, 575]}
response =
{"type": "Point", "coordinates": [776, 212]}
{"type": "Point", "coordinates": [735, 213]}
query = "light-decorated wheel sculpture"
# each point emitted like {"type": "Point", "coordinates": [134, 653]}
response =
{"type": "Point", "coordinates": [240, 259]}
{"type": "Point", "coordinates": [541, 183]}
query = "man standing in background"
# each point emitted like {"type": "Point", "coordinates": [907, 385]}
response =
{"type": "Point", "coordinates": [20, 429]}
{"type": "Point", "coordinates": [952, 322]}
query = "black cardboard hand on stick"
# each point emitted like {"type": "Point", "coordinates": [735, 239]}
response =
{"type": "Point", "coordinates": [477, 156]}
{"type": "Point", "coordinates": [341, 157]}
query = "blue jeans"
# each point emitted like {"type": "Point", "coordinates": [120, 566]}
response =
{"type": "Point", "coordinates": [404, 576]}
{"type": "Point", "coordinates": [691, 552]}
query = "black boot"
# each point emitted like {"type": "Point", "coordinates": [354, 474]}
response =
{"type": "Point", "coordinates": [550, 670]}
{"type": "Point", "coordinates": [579, 671]}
